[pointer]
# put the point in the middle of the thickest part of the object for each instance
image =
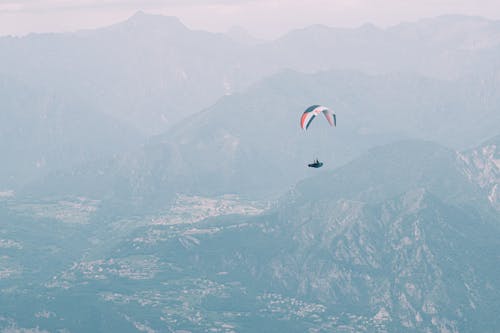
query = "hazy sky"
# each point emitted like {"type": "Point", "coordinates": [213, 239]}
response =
{"type": "Point", "coordinates": [263, 18]}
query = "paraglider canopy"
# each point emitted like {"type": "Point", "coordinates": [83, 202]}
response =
{"type": "Point", "coordinates": [313, 111]}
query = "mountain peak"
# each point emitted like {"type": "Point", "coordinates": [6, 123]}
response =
{"type": "Point", "coordinates": [142, 20]}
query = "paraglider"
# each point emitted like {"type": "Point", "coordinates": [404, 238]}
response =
{"type": "Point", "coordinates": [307, 117]}
{"type": "Point", "coordinates": [316, 164]}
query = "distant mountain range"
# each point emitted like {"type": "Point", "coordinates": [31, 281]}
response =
{"type": "Point", "coordinates": [151, 70]}
{"type": "Point", "coordinates": [119, 84]}
{"type": "Point", "coordinates": [143, 76]}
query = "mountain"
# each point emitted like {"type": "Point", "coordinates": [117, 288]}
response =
{"type": "Point", "coordinates": [406, 210]}
{"type": "Point", "coordinates": [483, 168]}
{"type": "Point", "coordinates": [40, 132]}
{"type": "Point", "coordinates": [150, 73]}
{"type": "Point", "coordinates": [442, 47]}
{"type": "Point", "coordinates": [250, 143]}
{"type": "Point", "coordinates": [242, 36]}
{"type": "Point", "coordinates": [73, 98]}
{"type": "Point", "coordinates": [149, 70]}
{"type": "Point", "coordinates": [399, 239]}
{"type": "Point", "coordinates": [391, 235]}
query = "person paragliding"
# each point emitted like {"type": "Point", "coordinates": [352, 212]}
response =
{"type": "Point", "coordinates": [316, 164]}
{"type": "Point", "coordinates": [307, 117]}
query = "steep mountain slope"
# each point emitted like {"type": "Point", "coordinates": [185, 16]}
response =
{"type": "Point", "coordinates": [40, 132]}
{"type": "Point", "coordinates": [482, 165]}
{"type": "Point", "coordinates": [407, 211]}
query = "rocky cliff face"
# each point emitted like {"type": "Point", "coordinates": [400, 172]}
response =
{"type": "Point", "coordinates": [482, 166]}
{"type": "Point", "coordinates": [412, 262]}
